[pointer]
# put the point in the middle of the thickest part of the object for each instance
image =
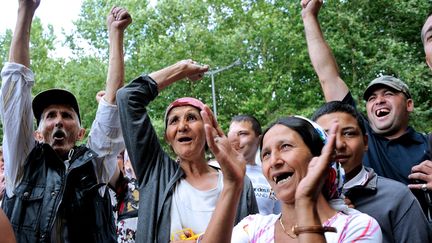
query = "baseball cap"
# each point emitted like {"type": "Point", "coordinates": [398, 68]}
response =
{"type": "Point", "coordinates": [53, 97]}
{"type": "Point", "coordinates": [388, 81]}
{"type": "Point", "coordinates": [183, 102]}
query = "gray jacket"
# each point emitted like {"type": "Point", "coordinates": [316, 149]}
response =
{"type": "Point", "coordinates": [156, 172]}
{"type": "Point", "coordinates": [393, 205]}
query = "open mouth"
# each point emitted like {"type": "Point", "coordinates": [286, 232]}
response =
{"type": "Point", "coordinates": [184, 139]}
{"type": "Point", "coordinates": [382, 112]}
{"type": "Point", "coordinates": [281, 178]}
{"type": "Point", "coordinates": [59, 135]}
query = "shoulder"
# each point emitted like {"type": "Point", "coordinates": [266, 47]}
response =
{"type": "Point", "coordinates": [357, 225]}
{"type": "Point", "coordinates": [386, 186]}
{"type": "Point", "coordinates": [258, 220]}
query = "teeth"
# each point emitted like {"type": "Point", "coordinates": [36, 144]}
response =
{"type": "Point", "coordinates": [284, 180]}
{"type": "Point", "coordinates": [380, 111]}
{"type": "Point", "coordinates": [281, 181]}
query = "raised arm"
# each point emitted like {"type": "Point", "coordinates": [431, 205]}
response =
{"type": "Point", "coordinates": [323, 61]}
{"type": "Point", "coordinates": [178, 71]}
{"type": "Point", "coordinates": [118, 20]}
{"type": "Point", "coordinates": [142, 143]}
{"type": "Point", "coordinates": [19, 50]}
{"type": "Point", "coordinates": [105, 137]}
{"type": "Point", "coordinates": [233, 167]}
{"type": "Point", "coordinates": [15, 100]}
{"type": "Point", "coordinates": [310, 188]}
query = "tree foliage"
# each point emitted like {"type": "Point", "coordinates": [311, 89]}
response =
{"type": "Point", "coordinates": [368, 38]}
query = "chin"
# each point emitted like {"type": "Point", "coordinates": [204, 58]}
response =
{"type": "Point", "coordinates": [62, 151]}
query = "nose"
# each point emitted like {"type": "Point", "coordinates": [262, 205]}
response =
{"type": "Point", "coordinates": [379, 99]}
{"type": "Point", "coordinates": [340, 143]}
{"type": "Point", "coordinates": [182, 126]}
{"type": "Point", "coordinates": [276, 160]}
{"type": "Point", "coordinates": [59, 122]}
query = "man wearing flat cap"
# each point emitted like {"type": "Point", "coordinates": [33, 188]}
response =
{"type": "Point", "coordinates": [55, 189]}
{"type": "Point", "coordinates": [394, 148]}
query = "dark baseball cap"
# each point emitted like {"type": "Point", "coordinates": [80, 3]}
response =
{"type": "Point", "coordinates": [53, 97]}
{"type": "Point", "coordinates": [388, 81]}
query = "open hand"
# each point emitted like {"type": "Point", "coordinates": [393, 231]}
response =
{"type": "Point", "coordinates": [311, 185]}
{"type": "Point", "coordinates": [232, 163]}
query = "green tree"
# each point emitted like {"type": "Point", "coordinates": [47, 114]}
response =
{"type": "Point", "coordinates": [276, 78]}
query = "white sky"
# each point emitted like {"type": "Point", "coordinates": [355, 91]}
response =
{"type": "Point", "coordinates": [59, 13]}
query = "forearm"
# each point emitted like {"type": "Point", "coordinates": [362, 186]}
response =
{"type": "Point", "coordinates": [167, 75]}
{"type": "Point", "coordinates": [323, 60]}
{"type": "Point", "coordinates": [20, 45]}
{"type": "Point", "coordinates": [307, 215]}
{"type": "Point", "coordinates": [221, 223]}
{"type": "Point", "coordinates": [115, 77]}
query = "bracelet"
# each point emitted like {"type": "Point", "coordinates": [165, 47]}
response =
{"type": "Point", "coordinates": [313, 229]}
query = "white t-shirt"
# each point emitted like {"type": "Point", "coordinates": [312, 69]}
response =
{"type": "Point", "coordinates": [192, 208]}
{"type": "Point", "coordinates": [267, 203]}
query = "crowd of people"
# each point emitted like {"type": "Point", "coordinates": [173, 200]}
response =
{"type": "Point", "coordinates": [339, 176]}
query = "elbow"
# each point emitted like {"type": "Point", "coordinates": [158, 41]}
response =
{"type": "Point", "coordinates": [121, 95]}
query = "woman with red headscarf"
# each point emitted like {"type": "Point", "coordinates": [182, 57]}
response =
{"type": "Point", "coordinates": [177, 195]}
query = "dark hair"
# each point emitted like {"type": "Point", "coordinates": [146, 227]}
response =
{"type": "Point", "coordinates": [304, 128]}
{"type": "Point", "coordinates": [256, 126]}
{"type": "Point", "coordinates": [339, 106]}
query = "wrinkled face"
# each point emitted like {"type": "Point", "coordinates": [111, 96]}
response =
{"type": "Point", "coordinates": [285, 158]}
{"type": "Point", "coordinates": [243, 139]}
{"type": "Point", "coordinates": [60, 128]}
{"type": "Point", "coordinates": [388, 112]}
{"type": "Point", "coordinates": [185, 132]}
{"type": "Point", "coordinates": [350, 142]}
{"type": "Point", "coordinates": [427, 40]}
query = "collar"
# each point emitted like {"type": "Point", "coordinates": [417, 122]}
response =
{"type": "Point", "coordinates": [410, 136]}
{"type": "Point", "coordinates": [366, 179]}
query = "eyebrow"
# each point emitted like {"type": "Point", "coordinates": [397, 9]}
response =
{"type": "Point", "coordinates": [428, 30]}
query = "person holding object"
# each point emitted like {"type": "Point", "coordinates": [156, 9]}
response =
{"type": "Point", "coordinates": [56, 190]}
{"type": "Point", "coordinates": [394, 148]}
{"type": "Point", "coordinates": [181, 193]}
{"type": "Point", "coordinates": [296, 158]}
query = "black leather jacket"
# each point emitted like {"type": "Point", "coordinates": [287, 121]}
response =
{"type": "Point", "coordinates": [66, 201]}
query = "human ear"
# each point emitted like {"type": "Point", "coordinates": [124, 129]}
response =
{"type": "Point", "coordinates": [410, 105]}
{"type": "Point", "coordinates": [81, 134]}
{"type": "Point", "coordinates": [38, 136]}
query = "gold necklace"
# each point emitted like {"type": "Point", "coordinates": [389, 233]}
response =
{"type": "Point", "coordinates": [283, 228]}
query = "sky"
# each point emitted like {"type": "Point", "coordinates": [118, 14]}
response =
{"type": "Point", "coordinates": [58, 13]}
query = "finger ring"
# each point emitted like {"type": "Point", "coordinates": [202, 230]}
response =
{"type": "Point", "coordinates": [424, 187]}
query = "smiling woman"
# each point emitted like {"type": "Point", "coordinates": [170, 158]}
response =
{"type": "Point", "coordinates": [295, 158]}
